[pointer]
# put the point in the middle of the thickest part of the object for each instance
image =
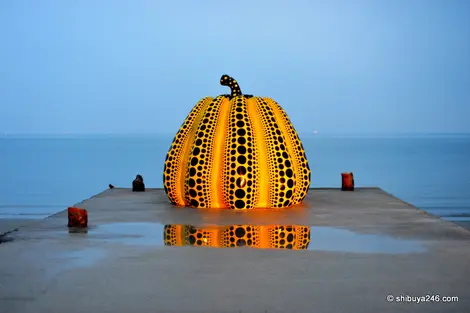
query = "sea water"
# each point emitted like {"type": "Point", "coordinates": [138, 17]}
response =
{"type": "Point", "coordinates": [41, 175]}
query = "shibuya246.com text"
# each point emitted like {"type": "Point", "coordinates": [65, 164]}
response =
{"type": "Point", "coordinates": [429, 298]}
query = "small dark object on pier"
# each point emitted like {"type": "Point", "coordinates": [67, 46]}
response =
{"type": "Point", "coordinates": [138, 183]}
{"type": "Point", "coordinates": [111, 186]}
{"type": "Point", "coordinates": [347, 181]}
{"type": "Point", "coordinates": [77, 217]}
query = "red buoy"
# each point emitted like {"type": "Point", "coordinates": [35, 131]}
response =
{"type": "Point", "coordinates": [77, 217]}
{"type": "Point", "coordinates": [347, 181]}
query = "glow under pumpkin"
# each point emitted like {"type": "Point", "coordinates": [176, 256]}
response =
{"type": "Point", "coordinates": [236, 151]}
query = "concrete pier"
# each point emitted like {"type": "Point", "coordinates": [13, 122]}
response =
{"type": "Point", "coordinates": [363, 247]}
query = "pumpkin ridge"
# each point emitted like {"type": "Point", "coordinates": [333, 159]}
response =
{"type": "Point", "coordinates": [260, 152]}
{"type": "Point", "coordinates": [302, 237]}
{"type": "Point", "coordinates": [270, 152]}
{"type": "Point", "coordinates": [174, 163]}
{"type": "Point", "coordinates": [218, 155]}
{"type": "Point", "coordinates": [189, 143]}
{"type": "Point", "coordinates": [198, 174]}
{"type": "Point", "coordinates": [239, 169]}
{"type": "Point", "coordinates": [174, 235]}
{"type": "Point", "coordinates": [301, 169]}
{"type": "Point", "coordinates": [296, 165]}
{"type": "Point", "coordinates": [279, 159]}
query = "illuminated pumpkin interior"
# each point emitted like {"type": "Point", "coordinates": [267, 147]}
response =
{"type": "Point", "coordinates": [262, 237]}
{"type": "Point", "coordinates": [238, 152]}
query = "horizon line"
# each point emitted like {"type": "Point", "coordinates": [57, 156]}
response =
{"type": "Point", "coordinates": [302, 133]}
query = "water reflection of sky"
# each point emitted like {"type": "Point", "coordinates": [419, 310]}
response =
{"type": "Point", "coordinates": [320, 238]}
{"type": "Point", "coordinates": [343, 240]}
{"type": "Point", "coordinates": [131, 233]}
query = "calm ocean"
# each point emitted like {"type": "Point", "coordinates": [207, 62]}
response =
{"type": "Point", "coordinates": [43, 175]}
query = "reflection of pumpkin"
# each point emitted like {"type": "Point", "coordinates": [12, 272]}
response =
{"type": "Point", "coordinates": [262, 237]}
{"type": "Point", "coordinates": [236, 151]}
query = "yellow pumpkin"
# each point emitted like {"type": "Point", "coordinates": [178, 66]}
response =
{"type": "Point", "coordinates": [262, 237]}
{"type": "Point", "coordinates": [236, 151]}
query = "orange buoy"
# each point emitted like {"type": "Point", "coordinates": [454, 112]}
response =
{"type": "Point", "coordinates": [77, 217]}
{"type": "Point", "coordinates": [347, 181]}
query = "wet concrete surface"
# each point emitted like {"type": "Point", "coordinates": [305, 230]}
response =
{"type": "Point", "coordinates": [8, 224]}
{"type": "Point", "coordinates": [339, 252]}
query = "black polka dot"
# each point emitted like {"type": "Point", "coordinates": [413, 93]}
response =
{"type": "Point", "coordinates": [239, 204]}
{"type": "Point", "coordinates": [290, 238]}
{"type": "Point", "coordinates": [241, 159]}
{"type": "Point", "coordinates": [240, 181]}
{"type": "Point", "coordinates": [241, 149]}
{"type": "Point", "coordinates": [240, 193]}
{"type": "Point", "coordinates": [241, 170]}
{"type": "Point", "coordinates": [240, 232]}
{"type": "Point", "coordinates": [192, 239]}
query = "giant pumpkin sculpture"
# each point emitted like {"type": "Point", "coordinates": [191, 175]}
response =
{"type": "Point", "coordinates": [293, 237]}
{"type": "Point", "coordinates": [236, 151]}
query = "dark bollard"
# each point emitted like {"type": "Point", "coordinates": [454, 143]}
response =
{"type": "Point", "coordinates": [347, 182]}
{"type": "Point", "coordinates": [138, 183]}
{"type": "Point", "coordinates": [77, 217]}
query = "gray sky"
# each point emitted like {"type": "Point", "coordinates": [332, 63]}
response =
{"type": "Point", "coordinates": [140, 66]}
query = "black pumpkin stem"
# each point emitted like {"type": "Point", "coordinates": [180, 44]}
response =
{"type": "Point", "coordinates": [226, 80]}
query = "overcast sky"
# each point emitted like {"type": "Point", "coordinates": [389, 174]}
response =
{"type": "Point", "coordinates": [140, 66]}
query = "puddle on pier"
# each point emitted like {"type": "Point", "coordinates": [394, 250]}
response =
{"type": "Point", "coordinates": [290, 237]}
{"type": "Point", "coordinates": [343, 240]}
{"type": "Point", "coordinates": [129, 233]}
